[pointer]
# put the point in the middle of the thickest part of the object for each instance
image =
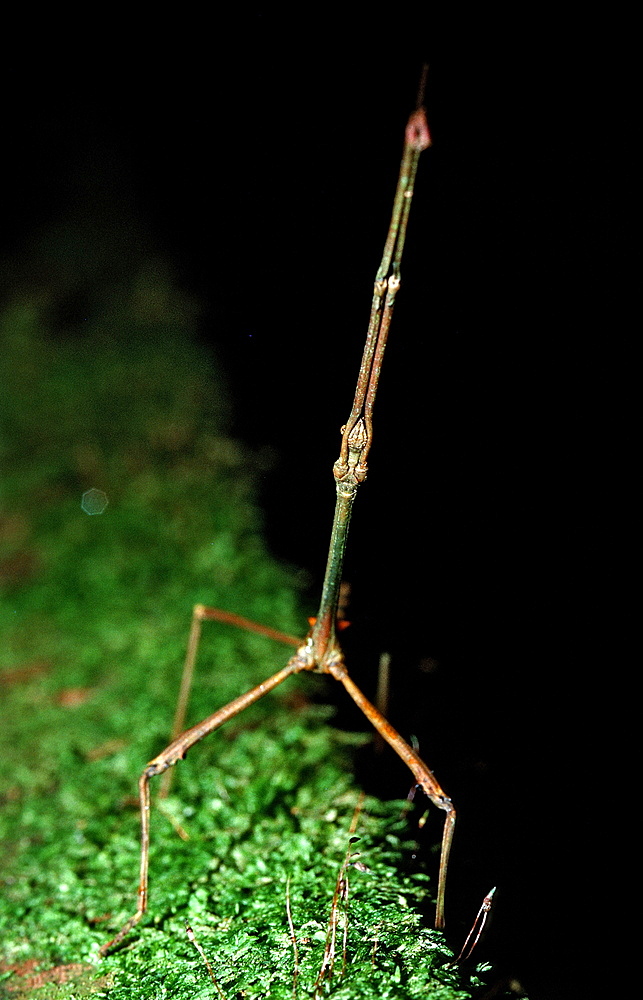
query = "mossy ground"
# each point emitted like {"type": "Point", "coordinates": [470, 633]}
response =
{"type": "Point", "coordinates": [94, 615]}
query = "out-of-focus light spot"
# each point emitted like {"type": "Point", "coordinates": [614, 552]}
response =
{"type": "Point", "coordinates": [94, 501]}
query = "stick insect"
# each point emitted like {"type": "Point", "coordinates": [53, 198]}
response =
{"type": "Point", "coordinates": [320, 651]}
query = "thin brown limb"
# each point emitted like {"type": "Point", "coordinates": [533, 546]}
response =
{"type": "Point", "coordinates": [229, 618]}
{"type": "Point", "coordinates": [176, 751]}
{"type": "Point", "coordinates": [202, 613]}
{"type": "Point", "coordinates": [478, 925]}
{"type": "Point", "coordinates": [422, 774]}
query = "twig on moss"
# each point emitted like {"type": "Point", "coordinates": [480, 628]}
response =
{"type": "Point", "coordinates": [192, 936]}
{"type": "Point", "coordinates": [293, 938]}
{"type": "Point", "coordinates": [340, 896]}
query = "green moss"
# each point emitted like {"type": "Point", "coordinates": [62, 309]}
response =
{"type": "Point", "coordinates": [94, 616]}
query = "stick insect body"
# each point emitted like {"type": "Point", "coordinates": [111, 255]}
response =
{"type": "Point", "coordinates": [320, 651]}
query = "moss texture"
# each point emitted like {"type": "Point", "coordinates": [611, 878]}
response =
{"type": "Point", "coordinates": [94, 615]}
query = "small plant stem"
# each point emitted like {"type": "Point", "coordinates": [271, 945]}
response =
{"type": "Point", "coordinates": [293, 938]}
{"type": "Point", "coordinates": [340, 894]}
{"type": "Point", "coordinates": [192, 936]}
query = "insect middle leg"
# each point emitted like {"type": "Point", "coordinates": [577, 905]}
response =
{"type": "Point", "coordinates": [200, 614]}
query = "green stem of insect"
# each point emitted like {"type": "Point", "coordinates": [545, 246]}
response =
{"type": "Point", "coordinates": [351, 467]}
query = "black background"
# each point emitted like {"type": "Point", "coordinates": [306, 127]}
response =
{"type": "Point", "coordinates": [259, 155]}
